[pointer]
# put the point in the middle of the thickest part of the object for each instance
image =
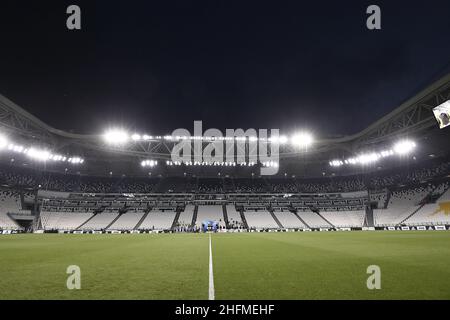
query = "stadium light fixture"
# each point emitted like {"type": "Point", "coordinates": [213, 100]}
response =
{"type": "Point", "coordinates": [36, 153]}
{"type": "Point", "coordinates": [404, 147]}
{"type": "Point", "coordinates": [280, 139]}
{"type": "Point", "coordinates": [136, 137]}
{"type": "Point", "coordinates": [149, 163]}
{"type": "Point", "coordinates": [302, 139]}
{"type": "Point", "coordinates": [41, 155]}
{"type": "Point", "coordinates": [271, 164]}
{"type": "Point", "coordinates": [336, 163]}
{"type": "Point", "coordinates": [75, 160]}
{"type": "Point", "coordinates": [3, 142]}
{"type": "Point", "coordinates": [116, 136]}
{"type": "Point", "coordinates": [283, 139]}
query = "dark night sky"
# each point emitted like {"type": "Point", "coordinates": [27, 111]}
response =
{"type": "Point", "coordinates": [159, 65]}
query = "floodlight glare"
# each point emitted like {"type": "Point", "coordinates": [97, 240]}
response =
{"type": "Point", "coordinates": [116, 136]}
{"type": "Point", "coordinates": [279, 139]}
{"type": "Point", "coordinates": [283, 139]}
{"type": "Point", "coordinates": [302, 139]}
{"type": "Point", "coordinates": [136, 137]}
{"type": "Point", "coordinates": [336, 163]}
{"type": "Point", "coordinates": [149, 163]}
{"type": "Point", "coordinates": [3, 142]}
{"type": "Point", "coordinates": [41, 155]}
{"type": "Point", "coordinates": [404, 147]}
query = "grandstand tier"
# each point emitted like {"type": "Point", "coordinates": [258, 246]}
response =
{"type": "Point", "coordinates": [409, 203]}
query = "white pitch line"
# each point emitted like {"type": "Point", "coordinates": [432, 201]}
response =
{"type": "Point", "coordinates": [211, 275]}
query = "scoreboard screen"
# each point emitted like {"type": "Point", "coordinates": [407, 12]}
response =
{"type": "Point", "coordinates": [442, 114]}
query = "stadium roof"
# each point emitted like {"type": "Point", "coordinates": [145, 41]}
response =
{"type": "Point", "coordinates": [413, 118]}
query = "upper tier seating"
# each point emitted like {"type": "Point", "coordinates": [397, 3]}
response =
{"type": "Point", "coordinates": [10, 202]}
{"type": "Point", "coordinates": [12, 175]}
{"type": "Point", "coordinates": [380, 197]}
{"type": "Point", "coordinates": [433, 213]}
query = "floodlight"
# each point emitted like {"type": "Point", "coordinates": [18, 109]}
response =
{"type": "Point", "coordinates": [41, 155]}
{"type": "Point", "coordinates": [279, 139]}
{"type": "Point", "coordinates": [367, 158]}
{"type": "Point", "coordinates": [336, 163]}
{"type": "Point", "coordinates": [404, 147]}
{"type": "Point", "coordinates": [149, 163]}
{"type": "Point", "coordinates": [3, 142]}
{"type": "Point", "coordinates": [302, 139]}
{"type": "Point", "coordinates": [116, 136]}
{"type": "Point", "coordinates": [136, 137]}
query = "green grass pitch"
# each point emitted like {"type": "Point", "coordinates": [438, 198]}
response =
{"type": "Point", "coordinates": [315, 265]}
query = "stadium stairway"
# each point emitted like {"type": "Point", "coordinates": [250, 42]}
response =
{"type": "Point", "coordinates": [368, 218]}
{"type": "Point", "coordinates": [413, 213]}
{"type": "Point", "coordinates": [275, 218]}
{"type": "Point", "coordinates": [141, 220]}
{"type": "Point", "coordinates": [244, 220]}
{"type": "Point", "coordinates": [420, 207]}
{"type": "Point", "coordinates": [194, 217]}
{"type": "Point", "coordinates": [326, 220]}
{"type": "Point", "coordinates": [225, 216]}
{"type": "Point", "coordinates": [175, 220]}
{"type": "Point", "coordinates": [22, 201]}
{"type": "Point", "coordinates": [114, 220]}
{"type": "Point", "coordinates": [302, 221]}
{"type": "Point", "coordinates": [78, 228]}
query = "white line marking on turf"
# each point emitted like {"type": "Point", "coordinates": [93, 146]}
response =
{"type": "Point", "coordinates": [211, 275]}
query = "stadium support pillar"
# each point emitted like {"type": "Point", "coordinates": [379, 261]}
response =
{"type": "Point", "coordinates": [388, 198]}
{"type": "Point", "coordinates": [37, 224]}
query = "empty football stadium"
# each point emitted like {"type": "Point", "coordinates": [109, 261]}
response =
{"type": "Point", "coordinates": [224, 158]}
{"type": "Point", "coordinates": [168, 229]}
